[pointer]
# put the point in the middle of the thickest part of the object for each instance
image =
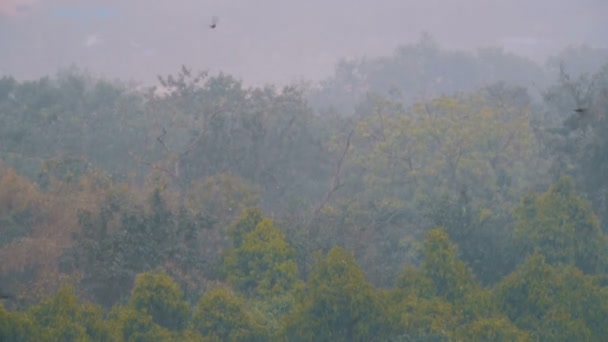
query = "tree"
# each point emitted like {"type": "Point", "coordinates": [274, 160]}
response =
{"type": "Point", "coordinates": [578, 140]}
{"type": "Point", "coordinates": [131, 325]}
{"type": "Point", "coordinates": [70, 114]}
{"type": "Point", "coordinates": [20, 205]}
{"type": "Point", "coordinates": [402, 160]}
{"type": "Point", "coordinates": [451, 278]}
{"type": "Point", "coordinates": [246, 223]}
{"type": "Point", "coordinates": [16, 326]}
{"type": "Point", "coordinates": [484, 237]}
{"type": "Point", "coordinates": [492, 329]}
{"type": "Point", "coordinates": [416, 314]}
{"type": "Point", "coordinates": [222, 316]}
{"type": "Point", "coordinates": [63, 317]}
{"type": "Point", "coordinates": [211, 125]}
{"type": "Point", "coordinates": [336, 305]}
{"type": "Point", "coordinates": [423, 68]}
{"type": "Point", "coordinates": [157, 295]}
{"type": "Point", "coordinates": [562, 227]}
{"type": "Point", "coordinates": [553, 302]}
{"type": "Point", "coordinates": [264, 264]}
{"type": "Point", "coordinates": [124, 239]}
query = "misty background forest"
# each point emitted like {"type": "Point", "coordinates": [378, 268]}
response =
{"type": "Point", "coordinates": [431, 194]}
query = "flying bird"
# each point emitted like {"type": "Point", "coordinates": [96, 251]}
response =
{"type": "Point", "coordinates": [581, 110]}
{"type": "Point", "coordinates": [213, 22]}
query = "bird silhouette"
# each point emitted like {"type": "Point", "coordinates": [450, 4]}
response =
{"type": "Point", "coordinates": [213, 22]}
{"type": "Point", "coordinates": [581, 110]}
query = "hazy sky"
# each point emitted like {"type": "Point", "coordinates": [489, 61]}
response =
{"type": "Point", "coordinates": [273, 40]}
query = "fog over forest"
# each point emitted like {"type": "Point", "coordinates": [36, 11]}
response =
{"type": "Point", "coordinates": [271, 40]}
{"type": "Point", "coordinates": [303, 170]}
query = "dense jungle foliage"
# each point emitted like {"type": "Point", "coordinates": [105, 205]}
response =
{"type": "Point", "coordinates": [431, 195]}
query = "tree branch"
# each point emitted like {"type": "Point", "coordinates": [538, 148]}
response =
{"type": "Point", "coordinates": [336, 183]}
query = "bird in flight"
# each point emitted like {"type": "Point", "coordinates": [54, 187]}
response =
{"type": "Point", "coordinates": [213, 22]}
{"type": "Point", "coordinates": [580, 110]}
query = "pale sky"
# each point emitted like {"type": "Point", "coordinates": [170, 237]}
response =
{"type": "Point", "coordinates": [273, 40]}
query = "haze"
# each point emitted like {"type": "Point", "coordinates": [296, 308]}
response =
{"type": "Point", "coordinates": [272, 41]}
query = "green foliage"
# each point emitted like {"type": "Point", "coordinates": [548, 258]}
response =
{"type": "Point", "coordinates": [20, 205]}
{"type": "Point", "coordinates": [157, 295]}
{"type": "Point", "coordinates": [16, 326]}
{"type": "Point", "coordinates": [265, 136]}
{"type": "Point", "coordinates": [423, 317]}
{"type": "Point", "coordinates": [221, 197]}
{"type": "Point", "coordinates": [71, 115]}
{"type": "Point", "coordinates": [124, 239]}
{"type": "Point", "coordinates": [483, 237]}
{"type": "Point", "coordinates": [246, 223]}
{"type": "Point", "coordinates": [271, 310]}
{"type": "Point", "coordinates": [336, 305]}
{"type": "Point", "coordinates": [265, 263]}
{"type": "Point", "coordinates": [64, 318]}
{"type": "Point", "coordinates": [402, 160]}
{"type": "Point", "coordinates": [199, 157]}
{"type": "Point", "coordinates": [222, 316]}
{"type": "Point", "coordinates": [551, 301]}
{"type": "Point", "coordinates": [492, 329]}
{"type": "Point", "coordinates": [476, 142]}
{"type": "Point", "coordinates": [562, 227]}
{"type": "Point", "coordinates": [579, 140]}
{"type": "Point", "coordinates": [451, 278]}
{"type": "Point", "coordinates": [135, 326]}
{"type": "Point", "coordinates": [439, 297]}
{"type": "Point", "coordinates": [412, 281]}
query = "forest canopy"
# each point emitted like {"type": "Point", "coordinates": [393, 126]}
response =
{"type": "Point", "coordinates": [431, 194]}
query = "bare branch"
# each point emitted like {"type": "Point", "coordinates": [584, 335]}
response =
{"type": "Point", "coordinates": [336, 183]}
{"type": "Point", "coordinates": [199, 137]}
{"type": "Point", "coordinates": [161, 141]}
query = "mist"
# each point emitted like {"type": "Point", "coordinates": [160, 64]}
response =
{"type": "Point", "coordinates": [273, 41]}
{"type": "Point", "coordinates": [303, 171]}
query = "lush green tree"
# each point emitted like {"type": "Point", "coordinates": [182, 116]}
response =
{"type": "Point", "coordinates": [337, 304]}
{"type": "Point", "coordinates": [64, 317]}
{"type": "Point", "coordinates": [222, 316]}
{"type": "Point", "coordinates": [452, 279]}
{"type": "Point", "coordinates": [440, 296]}
{"type": "Point", "coordinates": [401, 161]}
{"type": "Point", "coordinates": [246, 223]}
{"type": "Point", "coordinates": [264, 263]}
{"type": "Point", "coordinates": [553, 302]}
{"type": "Point", "coordinates": [418, 318]}
{"type": "Point", "coordinates": [124, 239]}
{"type": "Point", "coordinates": [492, 329]}
{"type": "Point", "coordinates": [133, 326]}
{"type": "Point", "coordinates": [266, 136]}
{"type": "Point", "coordinates": [73, 115]}
{"type": "Point", "coordinates": [484, 238]}
{"type": "Point", "coordinates": [16, 326]}
{"type": "Point", "coordinates": [20, 205]}
{"type": "Point", "coordinates": [562, 227]}
{"type": "Point", "coordinates": [159, 296]}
